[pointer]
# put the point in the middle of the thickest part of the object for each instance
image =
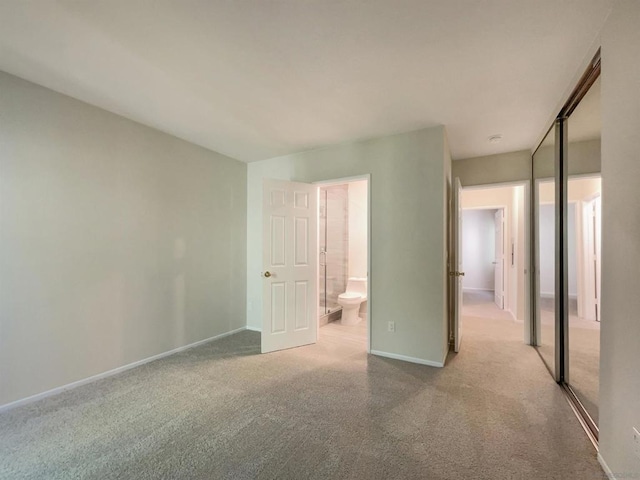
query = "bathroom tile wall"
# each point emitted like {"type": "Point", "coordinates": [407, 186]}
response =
{"type": "Point", "coordinates": [334, 235]}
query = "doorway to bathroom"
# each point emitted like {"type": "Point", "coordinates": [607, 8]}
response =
{"type": "Point", "coordinates": [343, 260]}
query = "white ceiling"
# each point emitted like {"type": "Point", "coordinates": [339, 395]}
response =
{"type": "Point", "coordinates": [262, 78]}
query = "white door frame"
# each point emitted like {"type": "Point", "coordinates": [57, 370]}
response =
{"type": "Point", "coordinates": [505, 287]}
{"type": "Point", "coordinates": [456, 263]}
{"type": "Point", "coordinates": [526, 245]}
{"type": "Point", "coordinates": [587, 305]}
{"type": "Point", "coordinates": [342, 181]}
{"type": "Point", "coordinates": [597, 202]}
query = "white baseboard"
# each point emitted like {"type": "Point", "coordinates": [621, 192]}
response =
{"type": "Point", "coordinates": [405, 358]}
{"type": "Point", "coordinates": [606, 468]}
{"type": "Point", "coordinates": [109, 373]}
{"type": "Point", "coordinates": [253, 329]}
{"type": "Point", "coordinates": [472, 289]}
{"type": "Point", "coordinates": [552, 295]}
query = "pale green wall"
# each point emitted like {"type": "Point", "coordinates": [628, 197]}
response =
{"type": "Point", "coordinates": [117, 242]}
{"type": "Point", "coordinates": [620, 332]}
{"type": "Point", "coordinates": [501, 168]}
{"type": "Point", "coordinates": [584, 158]}
{"type": "Point", "coordinates": [408, 210]}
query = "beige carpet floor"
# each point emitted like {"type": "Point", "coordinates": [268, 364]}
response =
{"type": "Point", "coordinates": [584, 357]}
{"type": "Point", "coordinates": [584, 343]}
{"type": "Point", "coordinates": [223, 411]}
{"type": "Point", "coordinates": [481, 304]}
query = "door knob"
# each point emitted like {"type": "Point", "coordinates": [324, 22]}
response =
{"type": "Point", "coordinates": [267, 274]}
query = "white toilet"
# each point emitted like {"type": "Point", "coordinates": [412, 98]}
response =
{"type": "Point", "coordinates": [351, 299]}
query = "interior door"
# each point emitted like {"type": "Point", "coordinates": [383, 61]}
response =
{"type": "Point", "coordinates": [458, 272]}
{"type": "Point", "coordinates": [290, 274]}
{"type": "Point", "coordinates": [498, 290]}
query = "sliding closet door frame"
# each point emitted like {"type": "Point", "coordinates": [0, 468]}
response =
{"type": "Point", "coordinates": [561, 177]}
{"type": "Point", "coordinates": [586, 82]}
{"type": "Point", "coordinates": [561, 253]}
{"type": "Point", "coordinates": [534, 252]}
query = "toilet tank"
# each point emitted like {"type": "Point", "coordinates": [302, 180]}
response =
{"type": "Point", "coordinates": [357, 285]}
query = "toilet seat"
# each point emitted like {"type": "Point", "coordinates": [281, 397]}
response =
{"type": "Point", "coordinates": [347, 295]}
{"type": "Point", "coordinates": [350, 298]}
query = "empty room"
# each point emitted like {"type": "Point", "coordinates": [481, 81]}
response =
{"type": "Point", "coordinates": [348, 239]}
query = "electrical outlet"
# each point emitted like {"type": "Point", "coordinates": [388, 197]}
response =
{"type": "Point", "coordinates": [636, 442]}
{"type": "Point", "coordinates": [392, 326]}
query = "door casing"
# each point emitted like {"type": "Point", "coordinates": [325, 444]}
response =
{"type": "Point", "coordinates": [342, 181]}
{"type": "Point", "coordinates": [528, 337]}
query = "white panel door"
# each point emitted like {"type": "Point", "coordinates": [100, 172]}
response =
{"type": "Point", "coordinates": [498, 288]}
{"type": "Point", "coordinates": [290, 273]}
{"type": "Point", "coordinates": [458, 272]}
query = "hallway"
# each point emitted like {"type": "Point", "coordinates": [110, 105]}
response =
{"type": "Point", "coordinates": [481, 305]}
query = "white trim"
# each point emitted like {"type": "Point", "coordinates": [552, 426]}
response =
{"type": "Point", "coordinates": [593, 196]}
{"type": "Point", "coordinates": [343, 180]}
{"type": "Point", "coordinates": [483, 207]}
{"type": "Point", "coordinates": [489, 186]}
{"type": "Point", "coordinates": [109, 373]}
{"type": "Point", "coordinates": [577, 176]}
{"type": "Point", "coordinates": [588, 286]}
{"type": "Point", "coordinates": [528, 231]}
{"type": "Point", "coordinates": [473, 289]}
{"type": "Point", "coordinates": [605, 467]}
{"type": "Point", "coordinates": [527, 257]}
{"type": "Point", "coordinates": [405, 358]}
{"type": "Point", "coordinates": [253, 329]}
{"type": "Point", "coordinates": [572, 296]}
{"type": "Point", "coordinates": [369, 257]}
